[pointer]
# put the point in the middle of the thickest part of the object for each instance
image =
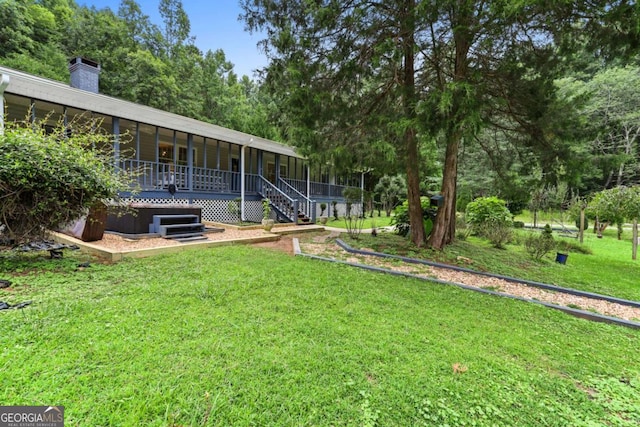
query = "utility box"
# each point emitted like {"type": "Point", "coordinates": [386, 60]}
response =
{"type": "Point", "coordinates": [437, 200]}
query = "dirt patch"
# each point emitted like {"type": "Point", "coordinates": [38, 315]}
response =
{"type": "Point", "coordinates": [284, 244]}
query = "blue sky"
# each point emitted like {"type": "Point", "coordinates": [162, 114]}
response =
{"type": "Point", "coordinates": [214, 24]}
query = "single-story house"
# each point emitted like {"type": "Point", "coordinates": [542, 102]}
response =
{"type": "Point", "coordinates": [180, 160]}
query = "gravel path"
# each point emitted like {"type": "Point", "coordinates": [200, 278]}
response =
{"type": "Point", "coordinates": [332, 250]}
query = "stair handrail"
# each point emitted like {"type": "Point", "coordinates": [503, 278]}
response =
{"type": "Point", "coordinates": [291, 206]}
{"type": "Point", "coordinates": [310, 204]}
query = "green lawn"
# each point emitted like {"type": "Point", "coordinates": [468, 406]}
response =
{"type": "Point", "coordinates": [248, 337]}
{"type": "Point", "coordinates": [367, 222]}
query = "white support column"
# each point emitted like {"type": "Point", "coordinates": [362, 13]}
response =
{"type": "Point", "coordinates": [242, 218]}
{"type": "Point", "coordinates": [190, 161]}
{"type": "Point", "coordinates": [242, 185]}
{"type": "Point", "coordinates": [4, 82]}
{"type": "Point", "coordinates": [115, 128]}
{"type": "Point", "coordinates": [309, 190]}
{"type": "Point", "coordinates": [362, 193]}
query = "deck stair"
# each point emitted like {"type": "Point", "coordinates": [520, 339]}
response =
{"type": "Point", "coordinates": [303, 219]}
{"type": "Point", "coordinates": [178, 227]}
{"type": "Point", "coordinates": [288, 204]}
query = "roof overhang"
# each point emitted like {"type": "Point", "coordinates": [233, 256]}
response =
{"type": "Point", "coordinates": [35, 87]}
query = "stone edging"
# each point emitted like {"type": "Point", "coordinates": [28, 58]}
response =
{"type": "Point", "coordinates": [114, 255]}
{"type": "Point", "coordinates": [572, 311]}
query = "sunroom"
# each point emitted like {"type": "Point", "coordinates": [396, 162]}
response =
{"type": "Point", "coordinates": [180, 160]}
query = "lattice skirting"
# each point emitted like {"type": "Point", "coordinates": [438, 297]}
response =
{"type": "Point", "coordinates": [161, 201]}
{"type": "Point", "coordinates": [228, 211]}
{"type": "Point", "coordinates": [215, 210]}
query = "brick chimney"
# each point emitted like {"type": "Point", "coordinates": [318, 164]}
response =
{"type": "Point", "coordinates": [84, 74]}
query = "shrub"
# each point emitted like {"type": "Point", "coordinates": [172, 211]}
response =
{"type": "Point", "coordinates": [401, 217]}
{"type": "Point", "coordinates": [518, 224]}
{"type": "Point", "coordinates": [266, 208]}
{"type": "Point", "coordinates": [538, 245]}
{"type": "Point", "coordinates": [488, 210]}
{"type": "Point", "coordinates": [51, 178]}
{"type": "Point", "coordinates": [354, 211]}
{"type": "Point", "coordinates": [498, 234]}
{"type": "Point", "coordinates": [233, 207]}
{"type": "Point", "coordinates": [490, 218]}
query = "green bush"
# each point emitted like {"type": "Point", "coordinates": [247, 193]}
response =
{"type": "Point", "coordinates": [401, 217]}
{"type": "Point", "coordinates": [497, 234]}
{"type": "Point", "coordinates": [51, 178]}
{"type": "Point", "coordinates": [490, 218]}
{"type": "Point", "coordinates": [538, 245]}
{"type": "Point", "coordinates": [518, 224]}
{"type": "Point", "coordinates": [488, 210]}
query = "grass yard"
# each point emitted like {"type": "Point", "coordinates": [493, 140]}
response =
{"type": "Point", "coordinates": [367, 223]}
{"type": "Point", "coordinates": [242, 336]}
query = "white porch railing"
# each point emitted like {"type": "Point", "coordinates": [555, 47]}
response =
{"type": "Point", "coordinates": [158, 176]}
{"type": "Point", "coordinates": [317, 188]}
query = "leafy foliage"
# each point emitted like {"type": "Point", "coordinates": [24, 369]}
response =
{"type": "Point", "coordinates": [384, 78]}
{"type": "Point", "coordinates": [354, 215]}
{"type": "Point", "coordinates": [50, 179]}
{"type": "Point", "coordinates": [488, 210]}
{"type": "Point", "coordinates": [538, 245]}
{"type": "Point", "coordinates": [610, 109]}
{"type": "Point", "coordinates": [608, 207]}
{"type": "Point", "coordinates": [402, 223]}
{"type": "Point", "coordinates": [266, 208]}
{"type": "Point", "coordinates": [490, 218]}
{"type": "Point", "coordinates": [614, 206]}
{"type": "Point", "coordinates": [391, 191]}
{"type": "Point", "coordinates": [233, 207]}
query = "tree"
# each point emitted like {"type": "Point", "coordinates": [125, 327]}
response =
{"type": "Point", "coordinates": [141, 62]}
{"type": "Point", "coordinates": [346, 72]}
{"type": "Point", "coordinates": [29, 39]}
{"type": "Point", "coordinates": [632, 209]}
{"type": "Point", "coordinates": [142, 32]}
{"type": "Point", "coordinates": [15, 30]}
{"type": "Point", "coordinates": [608, 207]}
{"type": "Point", "coordinates": [390, 190]}
{"type": "Point", "coordinates": [50, 179]}
{"type": "Point", "coordinates": [615, 205]}
{"type": "Point", "coordinates": [102, 36]}
{"type": "Point", "coordinates": [355, 73]}
{"type": "Point", "coordinates": [177, 27]}
{"type": "Point", "coordinates": [612, 113]}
